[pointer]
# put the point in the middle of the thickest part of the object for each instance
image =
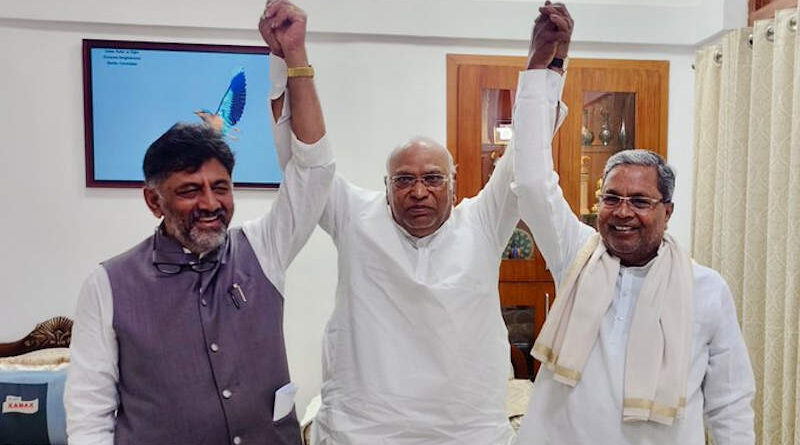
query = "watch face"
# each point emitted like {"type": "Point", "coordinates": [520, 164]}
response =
{"type": "Point", "coordinates": [520, 246]}
{"type": "Point", "coordinates": [558, 63]}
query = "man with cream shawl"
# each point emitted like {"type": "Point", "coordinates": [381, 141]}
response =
{"type": "Point", "coordinates": [642, 344]}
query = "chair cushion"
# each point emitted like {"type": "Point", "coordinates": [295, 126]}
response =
{"type": "Point", "coordinates": [32, 407]}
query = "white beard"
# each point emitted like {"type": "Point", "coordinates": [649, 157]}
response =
{"type": "Point", "coordinates": [193, 238]}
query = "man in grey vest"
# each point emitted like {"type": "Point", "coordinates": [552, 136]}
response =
{"type": "Point", "coordinates": [179, 340]}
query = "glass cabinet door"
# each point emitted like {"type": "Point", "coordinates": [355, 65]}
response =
{"type": "Point", "coordinates": [613, 105]}
{"type": "Point", "coordinates": [608, 125]}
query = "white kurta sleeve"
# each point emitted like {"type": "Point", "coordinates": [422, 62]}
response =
{"type": "Point", "coordinates": [496, 206]}
{"type": "Point", "coordinates": [728, 386]}
{"type": "Point", "coordinates": [279, 235]}
{"type": "Point", "coordinates": [308, 171]}
{"type": "Point", "coordinates": [335, 213]}
{"type": "Point", "coordinates": [281, 129]}
{"type": "Point", "coordinates": [91, 397]}
{"type": "Point", "coordinates": [557, 231]}
{"type": "Point", "coordinates": [496, 202]}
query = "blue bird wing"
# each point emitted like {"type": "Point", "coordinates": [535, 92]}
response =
{"type": "Point", "coordinates": [231, 107]}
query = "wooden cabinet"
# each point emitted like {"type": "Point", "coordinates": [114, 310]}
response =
{"type": "Point", "coordinates": [624, 101]}
{"type": "Point", "coordinates": [621, 96]}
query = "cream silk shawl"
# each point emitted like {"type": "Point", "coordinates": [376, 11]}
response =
{"type": "Point", "coordinates": [659, 343]}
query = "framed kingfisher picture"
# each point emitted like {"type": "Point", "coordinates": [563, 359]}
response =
{"type": "Point", "coordinates": [134, 91]}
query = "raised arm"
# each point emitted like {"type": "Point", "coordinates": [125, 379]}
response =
{"type": "Point", "coordinates": [283, 27]}
{"type": "Point", "coordinates": [497, 201]}
{"type": "Point", "coordinates": [308, 170]}
{"type": "Point", "coordinates": [289, 116]}
{"type": "Point", "coordinates": [557, 231]}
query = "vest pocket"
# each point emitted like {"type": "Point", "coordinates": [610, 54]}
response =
{"type": "Point", "coordinates": [288, 429]}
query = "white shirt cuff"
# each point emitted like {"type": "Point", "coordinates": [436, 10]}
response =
{"type": "Point", "coordinates": [277, 76]}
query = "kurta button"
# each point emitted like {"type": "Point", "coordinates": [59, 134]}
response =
{"type": "Point", "coordinates": [237, 440]}
{"type": "Point", "coordinates": [226, 394]}
{"type": "Point", "coordinates": [204, 302]}
{"type": "Point", "coordinates": [214, 347]}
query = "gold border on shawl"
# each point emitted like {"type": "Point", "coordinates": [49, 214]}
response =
{"type": "Point", "coordinates": [570, 374]}
{"type": "Point", "coordinates": [546, 356]}
{"type": "Point", "coordinates": [545, 352]}
{"type": "Point", "coordinates": [654, 408]}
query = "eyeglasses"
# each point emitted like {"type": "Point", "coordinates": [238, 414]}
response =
{"type": "Point", "coordinates": [175, 268]}
{"type": "Point", "coordinates": [429, 180]}
{"type": "Point", "coordinates": [637, 203]}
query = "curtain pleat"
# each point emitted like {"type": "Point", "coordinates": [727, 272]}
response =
{"type": "Point", "coordinates": [757, 193]}
{"type": "Point", "coordinates": [731, 176]}
{"type": "Point", "coordinates": [705, 152]}
{"type": "Point", "coordinates": [777, 331]}
{"type": "Point", "coordinates": [793, 245]}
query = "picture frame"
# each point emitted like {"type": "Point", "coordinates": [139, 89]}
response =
{"type": "Point", "coordinates": [134, 91]}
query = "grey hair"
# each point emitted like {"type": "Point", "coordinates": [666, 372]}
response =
{"type": "Point", "coordinates": [666, 175]}
{"type": "Point", "coordinates": [424, 142]}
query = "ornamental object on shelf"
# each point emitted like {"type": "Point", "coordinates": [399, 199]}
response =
{"type": "Point", "coordinates": [605, 128]}
{"type": "Point", "coordinates": [586, 134]}
{"type": "Point", "coordinates": [623, 136]}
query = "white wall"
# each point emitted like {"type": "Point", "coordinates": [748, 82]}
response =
{"type": "Point", "coordinates": [668, 22]}
{"type": "Point", "coordinates": [377, 91]}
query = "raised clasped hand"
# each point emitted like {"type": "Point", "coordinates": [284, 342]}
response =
{"type": "Point", "coordinates": [552, 32]}
{"type": "Point", "coordinates": [283, 27]}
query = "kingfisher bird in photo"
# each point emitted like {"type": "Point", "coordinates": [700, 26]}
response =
{"type": "Point", "coordinates": [230, 108]}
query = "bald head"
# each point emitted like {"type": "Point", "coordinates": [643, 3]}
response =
{"type": "Point", "coordinates": [421, 143]}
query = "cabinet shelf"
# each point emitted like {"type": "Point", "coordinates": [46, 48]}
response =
{"type": "Point", "coordinates": [600, 147]}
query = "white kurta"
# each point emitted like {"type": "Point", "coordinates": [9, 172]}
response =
{"type": "Point", "coordinates": [416, 351]}
{"type": "Point", "coordinates": [720, 384]}
{"type": "Point", "coordinates": [91, 395]}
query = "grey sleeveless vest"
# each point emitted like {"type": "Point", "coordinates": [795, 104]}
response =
{"type": "Point", "coordinates": [201, 354]}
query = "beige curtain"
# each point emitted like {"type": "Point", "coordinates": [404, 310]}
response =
{"type": "Point", "coordinates": [747, 202]}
